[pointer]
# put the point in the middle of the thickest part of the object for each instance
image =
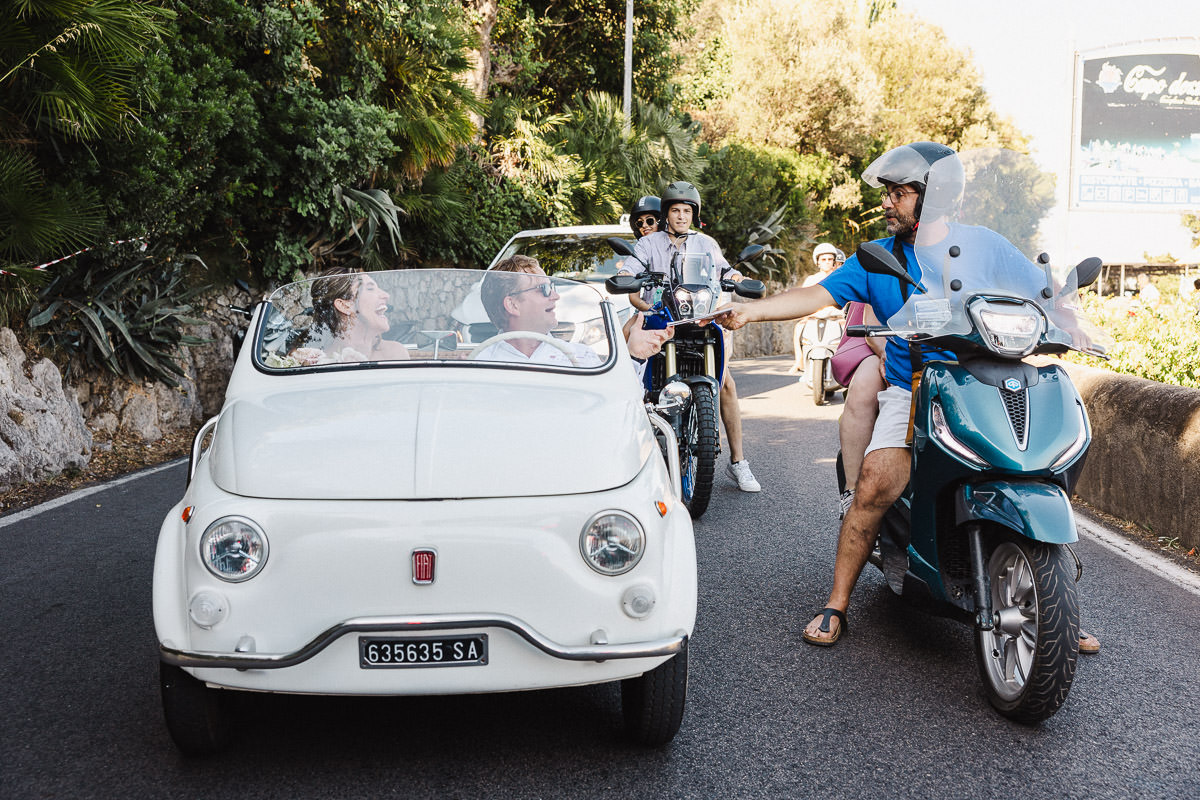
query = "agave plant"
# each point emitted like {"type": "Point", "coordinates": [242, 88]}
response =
{"type": "Point", "coordinates": [128, 318]}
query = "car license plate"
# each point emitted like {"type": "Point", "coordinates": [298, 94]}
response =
{"type": "Point", "coordinates": [433, 651]}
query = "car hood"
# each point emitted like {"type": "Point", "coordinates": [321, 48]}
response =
{"type": "Point", "coordinates": [429, 441]}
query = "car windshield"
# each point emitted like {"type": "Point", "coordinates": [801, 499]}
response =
{"type": "Point", "coordinates": [407, 318]}
{"type": "Point", "coordinates": [577, 256]}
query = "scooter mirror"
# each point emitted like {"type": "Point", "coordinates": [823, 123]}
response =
{"type": "Point", "coordinates": [1087, 271]}
{"type": "Point", "coordinates": [876, 258]}
{"type": "Point", "coordinates": [749, 288]}
{"type": "Point", "coordinates": [751, 252]}
{"type": "Point", "coordinates": [623, 284]}
{"type": "Point", "coordinates": [620, 246]}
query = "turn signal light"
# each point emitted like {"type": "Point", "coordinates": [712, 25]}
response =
{"type": "Point", "coordinates": [187, 513]}
{"type": "Point", "coordinates": [662, 507]}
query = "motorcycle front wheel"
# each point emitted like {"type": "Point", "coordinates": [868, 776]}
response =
{"type": "Point", "coordinates": [698, 448]}
{"type": "Point", "coordinates": [1027, 661]}
{"type": "Point", "coordinates": [816, 368]}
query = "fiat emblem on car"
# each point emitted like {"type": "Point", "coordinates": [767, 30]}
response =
{"type": "Point", "coordinates": [422, 565]}
{"type": "Point", "coordinates": [1012, 384]}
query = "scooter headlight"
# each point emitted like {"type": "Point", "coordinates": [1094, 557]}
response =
{"type": "Point", "coordinates": [1076, 446]}
{"type": "Point", "coordinates": [939, 429]}
{"type": "Point", "coordinates": [1009, 329]}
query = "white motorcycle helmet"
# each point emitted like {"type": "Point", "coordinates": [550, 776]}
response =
{"type": "Point", "coordinates": [826, 249]}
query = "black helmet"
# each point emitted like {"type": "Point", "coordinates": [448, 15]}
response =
{"type": "Point", "coordinates": [682, 192]}
{"type": "Point", "coordinates": [934, 169]}
{"type": "Point", "coordinates": [644, 205]}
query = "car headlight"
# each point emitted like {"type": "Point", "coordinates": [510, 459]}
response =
{"type": "Point", "coordinates": [674, 396]}
{"type": "Point", "coordinates": [694, 302]}
{"type": "Point", "coordinates": [233, 548]}
{"type": "Point", "coordinates": [1012, 330]}
{"type": "Point", "coordinates": [612, 542]}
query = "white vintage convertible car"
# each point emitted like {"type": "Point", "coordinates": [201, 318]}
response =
{"type": "Point", "coordinates": [380, 509]}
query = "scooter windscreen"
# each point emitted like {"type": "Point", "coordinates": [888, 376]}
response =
{"type": "Point", "coordinates": [976, 233]}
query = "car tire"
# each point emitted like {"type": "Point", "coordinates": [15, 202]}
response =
{"type": "Point", "coordinates": [198, 718]}
{"type": "Point", "coordinates": [653, 703]}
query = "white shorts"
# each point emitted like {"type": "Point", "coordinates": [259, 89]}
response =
{"type": "Point", "coordinates": [891, 426]}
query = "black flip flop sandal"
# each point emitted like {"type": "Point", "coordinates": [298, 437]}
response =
{"type": "Point", "coordinates": [827, 614]}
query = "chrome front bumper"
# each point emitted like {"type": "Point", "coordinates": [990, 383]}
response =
{"type": "Point", "coordinates": [247, 659]}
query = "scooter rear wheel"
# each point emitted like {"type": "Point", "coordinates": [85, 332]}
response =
{"type": "Point", "coordinates": [1027, 661]}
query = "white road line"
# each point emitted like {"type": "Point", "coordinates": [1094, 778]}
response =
{"type": "Point", "coordinates": [1122, 545]}
{"type": "Point", "coordinates": [79, 494]}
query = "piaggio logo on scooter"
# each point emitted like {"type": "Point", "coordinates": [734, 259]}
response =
{"type": "Point", "coordinates": [1012, 384]}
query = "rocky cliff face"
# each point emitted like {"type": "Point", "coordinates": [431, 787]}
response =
{"type": "Point", "coordinates": [42, 432]}
{"type": "Point", "coordinates": [49, 425]}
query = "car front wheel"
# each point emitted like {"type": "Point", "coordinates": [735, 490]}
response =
{"type": "Point", "coordinates": [653, 702]}
{"type": "Point", "coordinates": [198, 718]}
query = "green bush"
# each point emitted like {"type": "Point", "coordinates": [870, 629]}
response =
{"type": "Point", "coordinates": [118, 309]}
{"type": "Point", "coordinates": [743, 185]}
{"type": "Point", "coordinates": [1160, 344]}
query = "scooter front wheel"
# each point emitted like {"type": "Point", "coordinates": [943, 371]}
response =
{"type": "Point", "coordinates": [817, 369]}
{"type": "Point", "coordinates": [1027, 661]}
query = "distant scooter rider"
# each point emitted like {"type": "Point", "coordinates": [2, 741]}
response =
{"type": "Point", "coordinates": [680, 203]}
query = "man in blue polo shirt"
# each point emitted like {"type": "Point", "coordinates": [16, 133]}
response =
{"type": "Point", "coordinates": [923, 184]}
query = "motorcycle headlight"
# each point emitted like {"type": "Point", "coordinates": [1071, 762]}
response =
{"type": "Point", "coordinates": [1011, 330]}
{"type": "Point", "coordinates": [234, 549]}
{"type": "Point", "coordinates": [694, 302]}
{"type": "Point", "coordinates": [612, 542]}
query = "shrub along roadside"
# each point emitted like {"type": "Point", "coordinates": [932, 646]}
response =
{"type": "Point", "coordinates": [1160, 344]}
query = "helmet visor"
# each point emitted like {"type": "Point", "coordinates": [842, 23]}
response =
{"type": "Point", "coordinates": [898, 165]}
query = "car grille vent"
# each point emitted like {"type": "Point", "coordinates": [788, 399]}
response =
{"type": "Point", "coordinates": [1016, 404]}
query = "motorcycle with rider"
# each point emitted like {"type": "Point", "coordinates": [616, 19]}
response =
{"type": "Point", "coordinates": [680, 274]}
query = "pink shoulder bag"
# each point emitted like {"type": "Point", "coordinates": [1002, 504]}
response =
{"type": "Point", "coordinates": [852, 349]}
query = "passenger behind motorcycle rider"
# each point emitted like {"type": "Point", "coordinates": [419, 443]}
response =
{"type": "Point", "coordinates": [518, 296]}
{"type": "Point", "coordinates": [680, 204]}
{"type": "Point", "coordinates": [912, 187]}
{"type": "Point", "coordinates": [352, 307]}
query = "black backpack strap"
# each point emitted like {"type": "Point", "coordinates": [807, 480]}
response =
{"type": "Point", "coordinates": [916, 361]}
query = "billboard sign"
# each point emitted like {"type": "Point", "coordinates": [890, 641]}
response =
{"type": "Point", "coordinates": [1137, 128]}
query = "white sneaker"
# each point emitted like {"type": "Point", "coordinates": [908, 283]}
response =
{"type": "Point", "coordinates": [845, 503]}
{"type": "Point", "coordinates": [740, 472]}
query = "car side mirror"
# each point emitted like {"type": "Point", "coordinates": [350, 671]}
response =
{"type": "Point", "coordinates": [750, 253]}
{"type": "Point", "coordinates": [877, 259]}
{"type": "Point", "coordinates": [624, 284]}
{"type": "Point", "coordinates": [750, 288]}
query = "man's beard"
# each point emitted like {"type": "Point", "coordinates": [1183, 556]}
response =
{"type": "Point", "coordinates": [901, 225]}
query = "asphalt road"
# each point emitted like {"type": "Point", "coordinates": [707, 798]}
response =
{"type": "Point", "coordinates": [894, 710]}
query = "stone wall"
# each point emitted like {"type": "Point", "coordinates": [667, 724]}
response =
{"type": "Point", "coordinates": [1144, 462]}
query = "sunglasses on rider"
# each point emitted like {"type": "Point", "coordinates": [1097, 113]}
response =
{"type": "Point", "coordinates": [646, 222]}
{"type": "Point", "coordinates": [546, 288]}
